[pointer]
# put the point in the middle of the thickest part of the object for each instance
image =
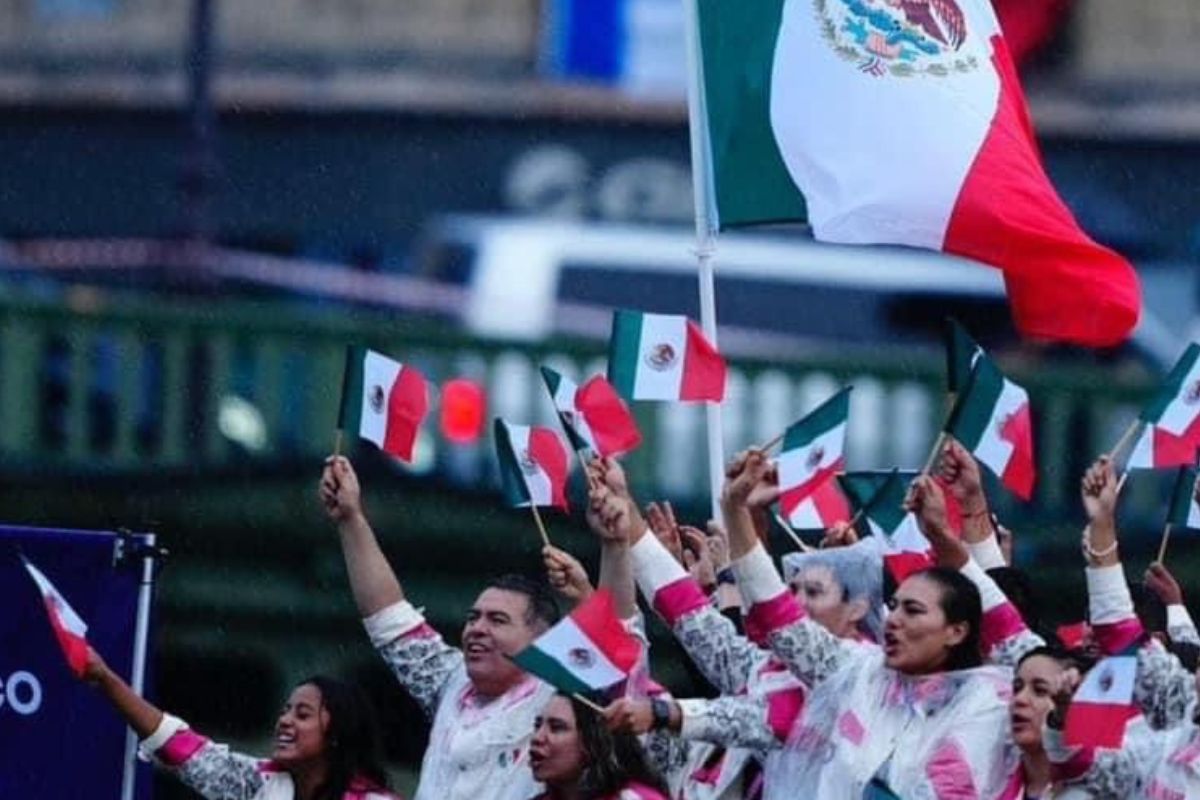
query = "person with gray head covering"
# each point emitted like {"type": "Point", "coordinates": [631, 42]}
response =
{"type": "Point", "coordinates": [841, 588]}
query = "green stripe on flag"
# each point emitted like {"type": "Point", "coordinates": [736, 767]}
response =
{"type": "Point", "coordinates": [1172, 385]}
{"type": "Point", "coordinates": [1181, 497]}
{"type": "Point", "coordinates": [752, 183]}
{"type": "Point", "coordinates": [960, 352]}
{"type": "Point", "coordinates": [512, 482]}
{"type": "Point", "coordinates": [624, 350]}
{"type": "Point", "coordinates": [826, 417]}
{"type": "Point", "coordinates": [350, 409]}
{"type": "Point", "coordinates": [976, 403]}
{"type": "Point", "coordinates": [536, 662]}
{"type": "Point", "coordinates": [878, 494]}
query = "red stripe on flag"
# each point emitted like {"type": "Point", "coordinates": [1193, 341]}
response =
{"type": "Point", "coordinates": [832, 506]}
{"type": "Point", "coordinates": [74, 647]}
{"type": "Point", "coordinates": [703, 368]}
{"type": "Point", "coordinates": [597, 618]}
{"type": "Point", "coordinates": [547, 450]}
{"type": "Point", "coordinates": [1017, 430]}
{"type": "Point", "coordinates": [795, 495]}
{"type": "Point", "coordinates": [1176, 451]}
{"type": "Point", "coordinates": [1097, 724]}
{"type": "Point", "coordinates": [1061, 284]}
{"type": "Point", "coordinates": [408, 401]}
{"type": "Point", "coordinates": [903, 564]}
{"type": "Point", "coordinates": [613, 426]}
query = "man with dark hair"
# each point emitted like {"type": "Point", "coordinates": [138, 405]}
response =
{"type": "Point", "coordinates": [482, 705]}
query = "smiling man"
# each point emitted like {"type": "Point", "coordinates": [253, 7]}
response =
{"type": "Point", "coordinates": [482, 706]}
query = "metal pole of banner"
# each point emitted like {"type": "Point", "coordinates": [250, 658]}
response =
{"type": "Point", "coordinates": [703, 198]}
{"type": "Point", "coordinates": [137, 678]}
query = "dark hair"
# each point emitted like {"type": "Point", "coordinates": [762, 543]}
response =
{"type": "Point", "coordinates": [610, 760]}
{"type": "Point", "coordinates": [960, 602]}
{"type": "Point", "coordinates": [543, 608]}
{"type": "Point", "coordinates": [1068, 658]}
{"type": "Point", "coordinates": [1187, 653]}
{"type": "Point", "coordinates": [352, 747]}
{"type": "Point", "coordinates": [1149, 608]}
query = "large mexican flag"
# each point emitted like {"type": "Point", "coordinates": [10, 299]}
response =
{"type": "Point", "coordinates": [900, 122]}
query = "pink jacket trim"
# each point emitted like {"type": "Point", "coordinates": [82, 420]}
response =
{"type": "Point", "coordinates": [678, 598]}
{"type": "Point", "coordinates": [773, 614]}
{"type": "Point", "coordinates": [1118, 636]}
{"type": "Point", "coordinates": [1000, 624]}
{"type": "Point", "coordinates": [950, 773]}
{"type": "Point", "coordinates": [180, 747]}
{"type": "Point", "coordinates": [783, 709]}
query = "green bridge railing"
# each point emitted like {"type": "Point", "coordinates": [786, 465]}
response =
{"type": "Point", "coordinates": [99, 384]}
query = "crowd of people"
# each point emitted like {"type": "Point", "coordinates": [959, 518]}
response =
{"type": "Point", "coordinates": [828, 680]}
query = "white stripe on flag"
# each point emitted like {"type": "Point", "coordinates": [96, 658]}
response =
{"type": "Point", "coordinates": [857, 170]}
{"type": "Point", "coordinates": [1193, 518]}
{"type": "Point", "coordinates": [567, 644]}
{"type": "Point", "coordinates": [656, 378]}
{"type": "Point", "coordinates": [1181, 412]}
{"type": "Point", "coordinates": [908, 537]}
{"type": "Point", "coordinates": [794, 468]}
{"type": "Point", "coordinates": [993, 450]}
{"type": "Point", "coordinates": [382, 372]}
{"type": "Point", "coordinates": [1109, 683]}
{"type": "Point", "coordinates": [66, 615]}
{"type": "Point", "coordinates": [536, 480]}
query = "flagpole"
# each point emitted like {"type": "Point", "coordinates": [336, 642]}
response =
{"type": "Point", "coordinates": [1162, 547]}
{"type": "Point", "coordinates": [783, 523]}
{"type": "Point", "coordinates": [337, 442]}
{"type": "Point", "coordinates": [1127, 437]}
{"type": "Point", "coordinates": [771, 445]}
{"type": "Point", "coordinates": [137, 677]}
{"type": "Point", "coordinates": [702, 197]}
{"type": "Point", "coordinates": [586, 702]}
{"type": "Point", "coordinates": [934, 453]}
{"type": "Point", "coordinates": [540, 526]}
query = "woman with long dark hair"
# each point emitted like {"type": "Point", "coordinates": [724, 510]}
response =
{"type": "Point", "coordinates": [326, 745]}
{"type": "Point", "coordinates": [576, 757]}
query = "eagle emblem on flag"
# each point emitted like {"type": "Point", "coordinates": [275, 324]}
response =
{"type": "Point", "coordinates": [527, 464]}
{"type": "Point", "coordinates": [376, 399]}
{"type": "Point", "coordinates": [581, 657]}
{"type": "Point", "coordinates": [1192, 395]}
{"type": "Point", "coordinates": [902, 38]}
{"type": "Point", "coordinates": [661, 357]}
{"type": "Point", "coordinates": [815, 457]}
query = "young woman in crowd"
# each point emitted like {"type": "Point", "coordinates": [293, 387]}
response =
{"type": "Point", "coordinates": [576, 757]}
{"type": "Point", "coordinates": [326, 745]}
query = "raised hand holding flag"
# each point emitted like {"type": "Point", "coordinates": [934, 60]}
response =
{"type": "Point", "coordinates": [383, 401]}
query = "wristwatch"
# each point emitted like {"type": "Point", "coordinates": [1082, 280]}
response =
{"type": "Point", "coordinates": [661, 710]}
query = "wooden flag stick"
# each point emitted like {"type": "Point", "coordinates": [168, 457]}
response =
{"type": "Point", "coordinates": [588, 703]}
{"type": "Point", "coordinates": [792, 533]}
{"type": "Point", "coordinates": [337, 442]}
{"type": "Point", "coordinates": [540, 526]}
{"type": "Point", "coordinates": [771, 445]}
{"type": "Point", "coordinates": [935, 452]}
{"type": "Point", "coordinates": [1162, 547]}
{"type": "Point", "coordinates": [1126, 439]}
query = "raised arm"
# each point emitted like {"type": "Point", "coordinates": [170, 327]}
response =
{"type": "Point", "coordinates": [810, 652]}
{"type": "Point", "coordinates": [419, 658]}
{"type": "Point", "coordinates": [1180, 627]}
{"type": "Point", "coordinates": [210, 769]}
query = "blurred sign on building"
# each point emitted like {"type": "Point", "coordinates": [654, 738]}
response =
{"type": "Point", "coordinates": [634, 45]}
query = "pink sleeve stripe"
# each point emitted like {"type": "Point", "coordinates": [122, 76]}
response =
{"type": "Point", "coordinates": [180, 747]}
{"type": "Point", "coordinates": [1000, 624]}
{"type": "Point", "coordinates": [679, 598]}
{"type": "Point", "coordinates": [783, 709]}
{"type": "Point", "coordinates": [424, 631]}
{"type": "Point", "coordinates": [1117, 637]}
{"type": "Point", "coordinates": [1075, 767]}
{"type": "Point", "coordinates": [771, 615]}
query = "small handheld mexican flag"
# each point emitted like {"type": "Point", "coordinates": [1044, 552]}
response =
{"type": "Point", "coordinates": [69, 629]}
{"type": "Point", "coordinates": [533, 465]}
{"type": "Point", "coordinates": [663, 357]}
{"type": "Point", "coordinates": [1103, 704]}
{"type": "Point", "coordinates": [1172, 432]}
{"type": "Point", "coordinates": [1185, 511]}
{"type": "Point", "coordinates": [594, 416]}
{"type": "Point", "coordinates": [961, 353]}
{"type": "Point", "coordinates": [880, 497]}
{"type": "Point", "coordinates": [587, 652]}
{"type": "Point", "coordinates": [383, 401]}
{"type": "Point", "coordinates": [991, 418]}
{"type": "Point", "coordinates": [814, 450]}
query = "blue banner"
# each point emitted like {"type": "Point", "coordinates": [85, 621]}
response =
{"type": "Point", "coordinates": [58, 736]}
